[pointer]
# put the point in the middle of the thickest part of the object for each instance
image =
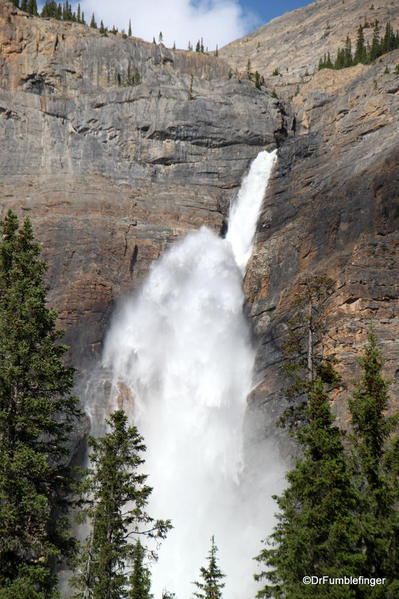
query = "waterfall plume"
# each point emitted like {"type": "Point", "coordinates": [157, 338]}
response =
{"type": "Point", "coordinates": [182, 348]}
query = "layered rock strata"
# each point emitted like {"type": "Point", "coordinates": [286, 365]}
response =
{"type": "Point", "coordinates": [293, 43]}
{"type": "Point", "coordinates": [115, 147]}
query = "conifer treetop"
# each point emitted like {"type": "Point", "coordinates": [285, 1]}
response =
{"type": "Point", "coordinates": [211, 585]}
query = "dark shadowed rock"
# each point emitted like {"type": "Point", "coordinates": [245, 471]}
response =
{"type": "Point", "coordinates": [333, 209]}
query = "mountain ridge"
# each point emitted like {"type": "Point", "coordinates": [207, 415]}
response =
{"type": "Point", "coordinates": [294, 42]}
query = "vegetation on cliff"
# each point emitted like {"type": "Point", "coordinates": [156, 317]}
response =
{"type": "Point", "coordinates": [364, 53]}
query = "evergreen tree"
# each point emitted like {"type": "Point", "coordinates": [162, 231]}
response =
{"type": "Point", "coordinates": [69, 14]}
{"type": "Point", "coordinates": [374, 454]}
{"type": "Point", "coordinates": [140, 579]}
{"type": "Point", "coordinates": [324, 63]}
{"type": "Point", "coordinates": [211, 585]}
{"type": "Point", "coordinates": [93, 23]}
{"type": "Point", "coordinates": [348, 58]}
{"type": "Point", "coordinates": [375, 50]}
{"type": "Point", "coordinates": [49, 9]}
{"type": "Point", "coordinates": [329, 64]}
{"type": "Point", "coordinates": [129, 31]}
{"type": "Point", "coordinates": [340, 59]}
{"type": "Point", "coordinates": [364, 52]}
{"type": "Point", "coordinates": [24, 5]}
{"type": "Point", "coordinates": [360, 52]}
{"type": "Point", "coordinates": [37, 414]}
{"type": "Point", "coordinates": [388, 41]}
{"type": "Point", "coordinates": [115, 497]}
{"type": "Point", "coordinates": [317, 529]}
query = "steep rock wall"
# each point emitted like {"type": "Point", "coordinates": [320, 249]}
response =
{"type": "Point", "coordinates": [115, 147]}
{"type": "Point", "coordinates": [333, 210]}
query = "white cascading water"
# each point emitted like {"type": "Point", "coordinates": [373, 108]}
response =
{"type": "Point", "coordinates": [182, 347]}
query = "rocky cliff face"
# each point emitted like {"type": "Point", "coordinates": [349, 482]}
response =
{"type": "Point", "coordinates": [116, 147]}
{"type": "Point", "coordinates": [333, 210]}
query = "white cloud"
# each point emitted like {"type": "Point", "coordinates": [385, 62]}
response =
{"type": "Point", "coordinates": [216, 21]}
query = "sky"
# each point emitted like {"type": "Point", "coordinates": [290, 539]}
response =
{"type": "Point", "coordinates": [218, 22]}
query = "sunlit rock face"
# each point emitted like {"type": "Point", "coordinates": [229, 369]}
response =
{"type": "Point", "coordinates": [110, 172]}
{"type": "Point", "coordinates": [293, 43]}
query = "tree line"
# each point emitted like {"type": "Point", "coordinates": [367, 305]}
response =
{"type": "Point", "coordinates": [63, 11]}
{"type": "Point", "coordinates": [337, 517]}
{"type": "Point", "coordinates": [363, 52]}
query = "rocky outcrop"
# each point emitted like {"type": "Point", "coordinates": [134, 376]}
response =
{"type": "Point", "coordinates": [333, 209]}
{"type": "Point", "coordinates": [293, 43]}
{"type": "Point", "coordinates": [115, 147]}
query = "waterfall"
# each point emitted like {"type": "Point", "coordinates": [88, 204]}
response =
{"type": "Point", "coordinates": [180, 350]}
{"type": "Point", "coordinates": [245, 210]}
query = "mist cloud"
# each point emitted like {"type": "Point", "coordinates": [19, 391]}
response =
{"type": "Point", "coordinates": [180, 21]}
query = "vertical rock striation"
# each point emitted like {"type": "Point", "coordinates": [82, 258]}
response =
{"type": "Point", "coordinates": [333, 209]}
{"type": "Point", "coordinates": [115, 147]}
